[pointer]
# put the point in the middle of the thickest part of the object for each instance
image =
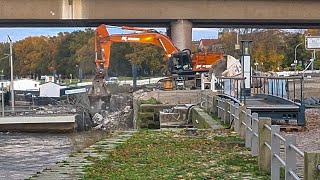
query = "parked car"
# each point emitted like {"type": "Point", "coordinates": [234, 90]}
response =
{"type": "Point", "coordinates": [112, 80]}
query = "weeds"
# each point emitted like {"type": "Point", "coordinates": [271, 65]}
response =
{"type": "Point", "coordinates": [174, 155]}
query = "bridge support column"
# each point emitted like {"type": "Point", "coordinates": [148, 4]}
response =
{"type": "Point", "coordinates": [181, 33]}
{"type": "Point", "coordinates": [169, 32]}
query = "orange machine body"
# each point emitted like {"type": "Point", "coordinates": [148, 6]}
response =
{"type": "Point", "coordinates": [203, 61]}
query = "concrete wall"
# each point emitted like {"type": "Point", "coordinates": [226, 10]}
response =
{"type": "Point", "coordinates": [202, 120]}
{"type": "Point", "coordinates": [148, 115]}
{"type": "Point", "coordinates": [164, 9]}
{"type": "Point", "coordinates": [38, 124]}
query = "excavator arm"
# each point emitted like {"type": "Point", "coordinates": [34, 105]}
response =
{"type": "Point", "coordinates": [146, 36]}
{"type": "Point", "coordinates": [100, 92]}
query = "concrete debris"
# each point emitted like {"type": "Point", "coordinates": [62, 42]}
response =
{"type": "Point", "coordinates": [119, 120]}
{"type": "Point", "coordinates": [119, 115]}
{"type": "Point", "coordinates": [312, 101]}
{"type": "Point", "coordinates": [142, 95]}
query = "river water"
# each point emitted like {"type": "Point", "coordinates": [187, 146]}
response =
{"type": "Point", "coordinates": [23, 154]}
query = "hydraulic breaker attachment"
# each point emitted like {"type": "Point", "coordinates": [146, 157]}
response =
{"type": "Point", "coordinates": [99, 95]}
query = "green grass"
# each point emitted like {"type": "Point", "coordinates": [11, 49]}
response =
{"type": "Point", "coordinates": [174, 155]}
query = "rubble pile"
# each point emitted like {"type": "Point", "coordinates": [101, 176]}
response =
{"type": "Point", "coordinates": [117, 116]}
{"type": "Point", "coordinates": [142, 95]}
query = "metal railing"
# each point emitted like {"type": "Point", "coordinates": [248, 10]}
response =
{"type": "Point", "coordinates": [232, 86]}
{"type": "Point", "coordinates": [290, 88]}
{"type": "Point", "coordinates": [259, 135]}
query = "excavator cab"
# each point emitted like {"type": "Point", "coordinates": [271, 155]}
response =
{"type": "Point", "coordinates": [180, 63]}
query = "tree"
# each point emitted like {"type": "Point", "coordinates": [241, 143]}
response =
{"type": "Point", "coordinates": [5, 49]}
{"type": "Point", "coordinates": [119, 64]}
{"type": "Point", "coordinates": [149, 57]}
{"type": "Point", "coordinates": [31, 54]}
{"type": "Point", "coordinates": [85, 57]}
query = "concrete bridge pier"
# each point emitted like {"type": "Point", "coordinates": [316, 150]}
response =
{"type": "Point", "coordinates": [168, 32]}
{"type": "Point", "coordinates": [181, 33]}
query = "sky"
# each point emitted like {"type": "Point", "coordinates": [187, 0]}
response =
{"type": "Point", "coordinates": [17, 34]}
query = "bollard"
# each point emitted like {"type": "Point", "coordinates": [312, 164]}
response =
{"type": "Point", "coordinates": [312, 165]}
{"type": "Point", "coordinates": [264, 157]}
{"type": "Point", "coordinates": [227, 111]}
{"type": "Point", "coordinates": [242, 118]}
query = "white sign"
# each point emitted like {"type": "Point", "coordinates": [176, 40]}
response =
{"type": "Point", "coordinates": [313, 42]}
{"type": "Point", "coordinates": [75, 91]}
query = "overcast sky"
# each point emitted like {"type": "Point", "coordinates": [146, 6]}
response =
{"type": "Point", "coordinates": [17, 34]}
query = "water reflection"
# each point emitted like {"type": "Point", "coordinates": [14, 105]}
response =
{"type": "Point", "coordinates": [23, 154]}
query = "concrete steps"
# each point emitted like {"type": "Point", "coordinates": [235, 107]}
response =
{"type": "Point", "coordinates": [72, 167]}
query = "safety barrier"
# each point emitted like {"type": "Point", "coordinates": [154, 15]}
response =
{"type": "Point", "coordinates": [263, 139]}
{"type": "Point", "coordinates": [290, 88]}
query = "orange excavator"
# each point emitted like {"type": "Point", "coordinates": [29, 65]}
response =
{"type": "Point", "coordinates": [179, 61]}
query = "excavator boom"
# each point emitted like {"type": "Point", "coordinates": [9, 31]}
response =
{"type": "Point", "coordinates": [104, 41]}
{"type": "Point", "coordinates": [100, 92]}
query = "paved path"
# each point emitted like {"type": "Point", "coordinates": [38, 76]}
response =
{"type": "Point", "coordinates": [72, 167]}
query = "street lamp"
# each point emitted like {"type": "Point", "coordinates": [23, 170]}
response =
{"type": "Point", "coordinates": [256, 64]}
{"type": "Point", "coordinates": [295, 56]}
{"type": "Point", "coordinates": [11, 64]}
{"type": "Point", "coordinates": [79, 73]}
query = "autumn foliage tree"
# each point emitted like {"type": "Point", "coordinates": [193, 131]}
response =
{"type": "Point", "coordinates": [149, 57]}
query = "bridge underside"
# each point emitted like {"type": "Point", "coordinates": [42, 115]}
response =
{"type": "Point", "coordinates": [196, 23]}
{"type": "Point", "coordinates": [202, 13]}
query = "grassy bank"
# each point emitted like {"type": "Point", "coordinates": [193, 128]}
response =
{"type": "Point", "coordinates": [175, 155]}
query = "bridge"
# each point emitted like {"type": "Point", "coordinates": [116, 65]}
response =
{"type": "Point", "coordinates": [179, 16]}
{"type": "Point", "coordinates": [280, 98]}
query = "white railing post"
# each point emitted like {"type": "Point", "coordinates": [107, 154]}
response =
{"type": "Point", "coordinates": [291, 160]}
{"type": "Point", "coordinates": [231, 112]}
{"type": "Point", "coordinates": [223, 110]}
{"type": "Point", "coordinates": [275, 150]}
{"type": "Point", "coordinates": [202, 81]}
{"type": "Point", "coordinates": [219, 107]}
{"type": "Point", "coordinates": [213, 85]}
{"type": "Point", "coordinates": [248, 138]}
{"type": "Point", "coordinates": [236, 118]}
{"type": "Point", "coordinates": [208, 102]}
{"type": "Point", "coordinates": [255, 138]}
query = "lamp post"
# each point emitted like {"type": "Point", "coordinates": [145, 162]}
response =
{"type": "Point", "coordinates": [295, 57]}
{"type": "Point", "coordinates": [11, 65]}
